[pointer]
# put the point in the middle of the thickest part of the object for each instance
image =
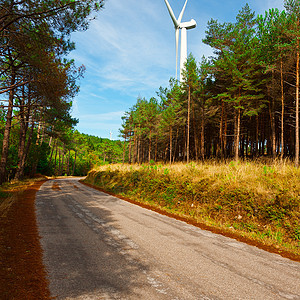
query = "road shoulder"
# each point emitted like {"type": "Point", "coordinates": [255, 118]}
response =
{"type": "Point", "coordinates": [22, 273]}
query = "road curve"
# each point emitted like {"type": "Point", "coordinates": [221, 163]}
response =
{"type": "Point", "coordinates": [97, 246]}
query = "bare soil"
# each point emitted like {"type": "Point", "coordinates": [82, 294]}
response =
{"type": "Point", "coordinates": [22, 273]}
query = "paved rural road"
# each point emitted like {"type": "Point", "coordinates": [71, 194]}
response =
{"type": "Point", "coordinates": [99, 247]}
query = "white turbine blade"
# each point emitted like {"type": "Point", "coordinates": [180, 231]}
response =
{"type": "Point", "coordinates": [177, 42]}
{"type": "Point", "coordinates": [176, 24]}
{"type": "Point", "coordinates": [182, 12]}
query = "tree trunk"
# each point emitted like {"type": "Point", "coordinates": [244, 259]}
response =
{"type": "Point", "coordinates": [6, 135]}
{"type": "Point", "coordinates": [42, 133]}
{"type": "Point", "coordinates": [297, 108]}
{"type": "Point", "coordinates": [175, 146]}
{"type": "Point", "coordinates": [237, 133]}
{"type": "Point", "coordinates": [202, 135]}
{"type": "Point", "coordinates": [34, 166]}
{"type": "Point", "coordinates": [282, 110]}
{"type": "Point", "coordinates": [156, 142]}
{"type": "Point", "coordinates": [221, 133]}
{"type": "Point", "coordinates": [247, 145]}
{"type": "Point", "coordinates": [129, 149]}
{"type": "Point", "coordinates": [149, 149]}
{"type": "Point", "coordinates": [134, 146]}
{"type": "Point", "coordinates": [55, 158]}
{"type": "Point", "coordinates": [273, 131]}
{"type": "Point", "coordinates": [68, 163]}
{"type": "Point", "coordinates": [138, 149]}
{"type": "Point", "coordinates": [242, 148]}
{"type": "Point", "coordinates": [196, 142]}
{"type": "Point", "coordinates": [188, 128]}
{"type": "Point", "coordinates": [24, 121]}
{"type": "Point", "coordinates": [225, 135]}
{"type": "Point", "coordinates": [59, 162]}
{"type": "Point", "coordinates": [50, 141]}
{"type": "Point", "coordinates": [38, 133]}
{"type": "Point", "coordinates": [21, 153]}
{"type": "Point", "coordinates": [124, 148]}
{"type": "Point", "coordinates": [22, 138]}
{"type": "Point", "coordinates": [255, 150]}
{"type": "Point", "coordinates": [74, 164]}
{"type": "Point", "coordinates": [51, 154]}
{"type": "Point", "coordinates": [171, 143]}
{"type": "Point", "coordinates": [62, 161]}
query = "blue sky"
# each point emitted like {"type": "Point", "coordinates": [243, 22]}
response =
{"type": "Point", "coordinates": [129, 51]}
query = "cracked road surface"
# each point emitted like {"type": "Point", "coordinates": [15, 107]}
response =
{"type": "Point", "coordinates": [97, 246]}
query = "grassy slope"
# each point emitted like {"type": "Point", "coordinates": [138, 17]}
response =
{"type": "Point", "coordinates": [254, 200]}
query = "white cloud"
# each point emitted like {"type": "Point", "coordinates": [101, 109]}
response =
{"type": "Point", "coordinates": [273, 4]}
{"type": "Point", "coordinates": [126, 48]}
{"type": "Point", "coordinates": [101, 124]}
{"type": "Point", "coordinates": [111, 116]}
{"type": "Point", "coordinates": [75, 109]}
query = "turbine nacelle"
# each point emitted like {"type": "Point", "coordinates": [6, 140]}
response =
{"type": "Point", "coordinates": [188, 25]}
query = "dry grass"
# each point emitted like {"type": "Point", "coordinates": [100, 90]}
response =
{"type": "Point", "coordinates": [9, 192]}
{"type": "Point", "coordinates": [257, 199]}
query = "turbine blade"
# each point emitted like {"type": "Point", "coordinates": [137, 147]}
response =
{"type": "Point", "coordinates": [182, 12]}
{"type": "Point", "coordinates": [176, 24]}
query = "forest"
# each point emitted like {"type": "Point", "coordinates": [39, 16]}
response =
{"type": "Point", "coordinates": [243, 102]}
{"type": "Point", "coordinates": [37, 85]}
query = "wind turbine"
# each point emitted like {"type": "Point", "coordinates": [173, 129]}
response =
{"type": "Point", "coordinates": [183, 43]}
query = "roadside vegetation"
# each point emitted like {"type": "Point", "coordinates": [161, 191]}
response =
{"type": "Point", "coordinates": [9, 192]}
{"type": "Point", "coordinates": [252, 199]}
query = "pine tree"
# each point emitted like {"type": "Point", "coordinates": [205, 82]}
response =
{"type": "Point", "coordinates": [272, 52]}
{"type": "Point", "coordinates": [293, 11]}
{"type": "Point", "coordinates": [170, 116]}
{"type": "Point", "coordinates": [190, 84]}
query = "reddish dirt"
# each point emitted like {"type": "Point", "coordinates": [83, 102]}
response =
{"type": "Point", "coordinates": [22, 273]}
{"type": "Point", "coordinates": [216, 230]}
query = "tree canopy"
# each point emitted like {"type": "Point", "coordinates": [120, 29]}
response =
{"type": "Point", "coordinates": [242, 102]}
{"type": "Point", "coordinates": [37, 81]}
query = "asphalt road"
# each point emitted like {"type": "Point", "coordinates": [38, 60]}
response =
{"type": "Point", "coordinates": [100, 247]}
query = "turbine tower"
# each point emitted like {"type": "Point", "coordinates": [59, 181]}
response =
{"type": "Point", "coordinates": [183, 42]}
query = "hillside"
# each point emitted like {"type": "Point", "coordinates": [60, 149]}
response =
{"type": "Point", "coordinates": [254, 201]}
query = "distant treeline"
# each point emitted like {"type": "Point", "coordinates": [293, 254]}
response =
{"type": "Point", "coordinates": [243, 102]}
{"type": "Point", "coordinates": [76, 153]}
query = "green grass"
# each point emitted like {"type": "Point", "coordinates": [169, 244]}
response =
{"type": "Point", "coordinates": [257, 200]}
